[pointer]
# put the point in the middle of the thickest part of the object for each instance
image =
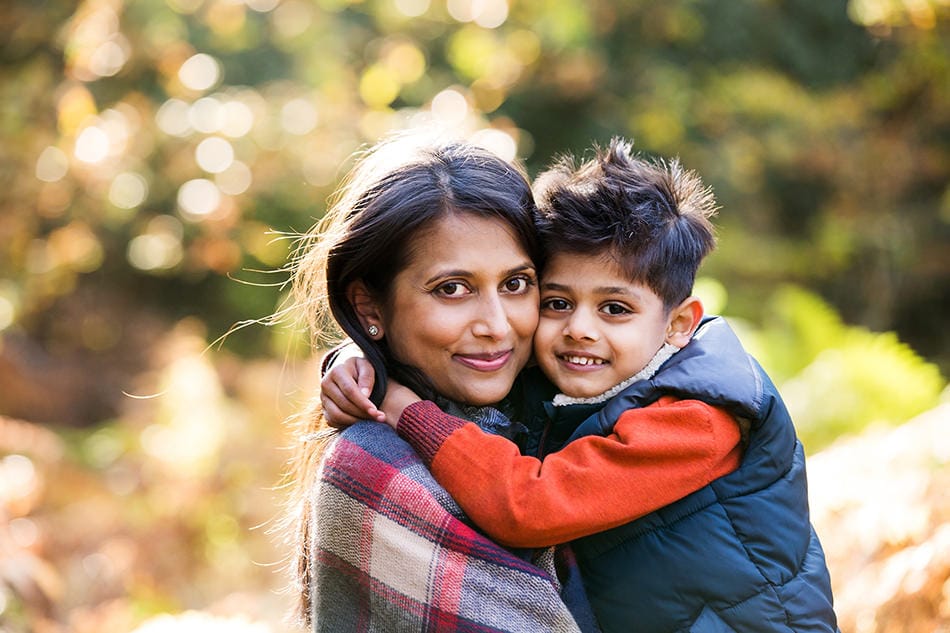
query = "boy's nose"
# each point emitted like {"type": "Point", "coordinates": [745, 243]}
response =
{"type": "Point", "coordinates": [580, 327]}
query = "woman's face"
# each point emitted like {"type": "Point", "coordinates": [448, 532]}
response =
{"type": "Point", "coordinates": [464, 309]}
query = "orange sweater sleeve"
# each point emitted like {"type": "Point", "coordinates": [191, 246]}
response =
{"type": "Point", "coordinates": [655, 455]}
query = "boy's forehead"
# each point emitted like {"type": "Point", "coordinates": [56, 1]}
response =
{"type": "Point", "coordinates": [590, 271]}
{"type": "Point", "coordinates": [606, 259]}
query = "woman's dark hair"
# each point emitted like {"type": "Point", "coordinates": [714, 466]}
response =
{"type": "Point", "coordinates": [395, 191]}
{"type": "Point", "coordinates": [652, 217]}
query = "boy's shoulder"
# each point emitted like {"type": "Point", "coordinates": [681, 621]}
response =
{"type": "Point", "coordinates": [714, 368]}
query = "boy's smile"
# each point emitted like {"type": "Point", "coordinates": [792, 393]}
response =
{"type": "Point", "coordinates": [581, 360]}
{"type": "Point", "coordinates": [597, 328]}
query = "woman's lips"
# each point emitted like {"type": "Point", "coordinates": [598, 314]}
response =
{"type": "Point", "coordinates": [484, 362]}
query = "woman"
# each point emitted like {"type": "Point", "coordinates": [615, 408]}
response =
{"type": "Point", "coordinates": [427, 260]}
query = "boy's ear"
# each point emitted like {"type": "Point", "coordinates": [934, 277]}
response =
{"type": "Point", "coordinates": [366, 308]}
{"type": "Point", "coordinates": [684, 319]}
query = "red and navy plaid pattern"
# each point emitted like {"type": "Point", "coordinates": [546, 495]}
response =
{"type": "Point", "coordinates": [393, 552]}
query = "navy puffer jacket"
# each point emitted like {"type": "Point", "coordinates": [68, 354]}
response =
{"type": "Point", "coordinates": [738, 555]}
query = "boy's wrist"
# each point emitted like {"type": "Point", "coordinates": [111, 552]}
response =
{"type": "Point", "coordinates": [426, 427]}
{"type": "Point", "coordinates": [346, 349]}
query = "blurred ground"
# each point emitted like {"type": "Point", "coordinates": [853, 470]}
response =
{"type": "Point", "coordinates": [881, 505]}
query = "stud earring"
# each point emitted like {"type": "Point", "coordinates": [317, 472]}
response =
{"type": "Point", "coordinates": [372, 330]}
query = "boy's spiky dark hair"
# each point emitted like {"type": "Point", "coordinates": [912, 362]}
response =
{"type": "Point", "coordinates": [652, 216]}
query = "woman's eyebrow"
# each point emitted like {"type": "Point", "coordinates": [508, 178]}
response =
{"type": "Point", "coordinates": [448, 273]}
{"type": "Point", "coordinates": [459, 272]}
{"type": "Point", "coordinates": [527, 266]}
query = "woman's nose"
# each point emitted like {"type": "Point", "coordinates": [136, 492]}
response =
{"type": "Point", "coordinates": [492, 319]}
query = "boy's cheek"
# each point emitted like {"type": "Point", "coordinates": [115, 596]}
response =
{"type": "Point", "coordinates": [544, 336]}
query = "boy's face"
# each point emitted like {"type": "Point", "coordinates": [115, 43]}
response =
{"type": "Point", "coordinates": [597, 328]}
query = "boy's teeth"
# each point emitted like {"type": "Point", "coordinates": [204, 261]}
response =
{"type": "Point", "coordinates": [584, 360]}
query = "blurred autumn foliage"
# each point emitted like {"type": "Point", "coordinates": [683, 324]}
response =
{"type": "Point", "coordinates": [157, 156]}
{"type": "Point", "coordinates": [170, 507]}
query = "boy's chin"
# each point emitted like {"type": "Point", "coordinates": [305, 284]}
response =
{"type": "Point", "coordinates": [579, 384]}
{"type": "Point", "coordinates": [581, 389]}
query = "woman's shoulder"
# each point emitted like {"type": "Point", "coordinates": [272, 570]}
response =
{"type": "Point", "coordinates": [365, 448]}
{"type": "Point", "coordinates": [369, 461]}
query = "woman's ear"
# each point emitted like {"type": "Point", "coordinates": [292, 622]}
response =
{"type": "Point", "coordinates": [684, 319]}
{"type": "Point", "coordinates": [366, 308]}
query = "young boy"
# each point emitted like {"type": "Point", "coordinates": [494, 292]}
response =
{"type": "Point", "coordinates": [676, 474]}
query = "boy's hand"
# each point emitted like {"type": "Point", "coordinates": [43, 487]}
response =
{"type": "Point", "coordinates": [344, 393]}
{"type": "Point", "coordinates": [397, 398]}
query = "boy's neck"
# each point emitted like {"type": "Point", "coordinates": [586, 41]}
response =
{"type": "Point", "coordinates": [662, 355]}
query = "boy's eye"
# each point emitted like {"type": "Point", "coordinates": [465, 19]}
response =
{"type": "Point", "coordinates": [558, 305]}
{"type": "Point", "coordinates": [616, 309]}
{"type": "Point", "coordinates": [517, 285]}
{"type": "Point", "coordinates": [451, 289]}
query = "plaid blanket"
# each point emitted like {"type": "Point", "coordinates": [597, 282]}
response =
{"type": "Point", "coordinates": [391, 551]}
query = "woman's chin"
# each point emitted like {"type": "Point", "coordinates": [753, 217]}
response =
{"type": "Point", "coordinates": [478, 395]}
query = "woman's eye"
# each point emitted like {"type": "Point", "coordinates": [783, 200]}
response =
{"type": "Point", "coordinates": [451, 289]}
{"type": "Point", "coordinates": [517, 284]}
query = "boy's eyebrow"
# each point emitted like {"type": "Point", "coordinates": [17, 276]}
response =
{"type": "Point", "coordinates": [614, 290]}
{"type": "Point", "coordinates": [602, 290]}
